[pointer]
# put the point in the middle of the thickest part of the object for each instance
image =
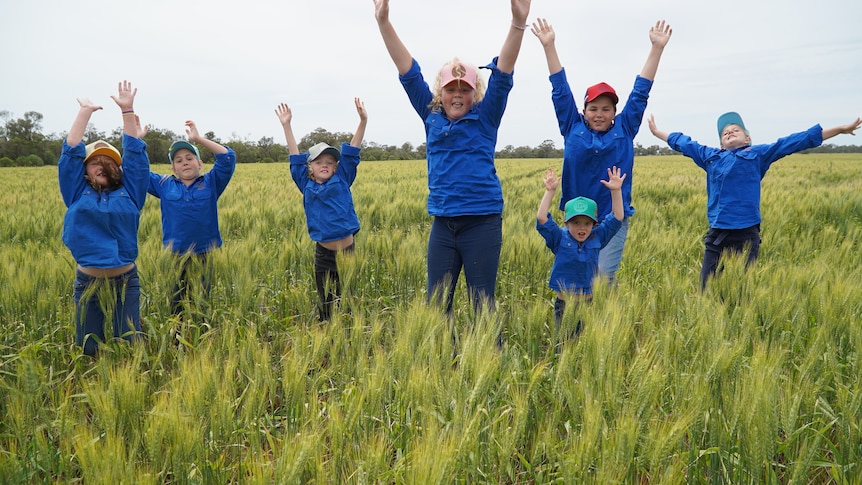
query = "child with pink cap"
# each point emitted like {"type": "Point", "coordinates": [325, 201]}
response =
{"type": "Point", "coordinates": [733, 175]}
{"type": "Point", "coordinates": [599, 138]}
{"type": "Point", "coordinates": [465, 198]}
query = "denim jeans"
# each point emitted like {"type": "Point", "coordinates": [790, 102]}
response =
{"type": "Point", "coordinates": [611, 255]}
{"type": "Point", "coordinates": [718, 241]}
{"type": "Point", "coordinates": [118, 298]}
{"type": "Point", "coordinates": [469, 242]}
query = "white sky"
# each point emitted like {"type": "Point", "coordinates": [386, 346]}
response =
{"type": "Point", "coordinates": [783, 64]}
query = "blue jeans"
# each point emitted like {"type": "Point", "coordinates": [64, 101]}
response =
{"type": "Point", "coordinates": [611, 255]}
{"type": "Point", "coordinates": [469, 242]}
{"type": "Point", "coordinates": [96, 298]}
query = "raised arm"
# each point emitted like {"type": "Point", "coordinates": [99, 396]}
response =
{"type": "Point", "coordinates": [397, 51]}
{"type": "Point", "coordinates": [659, 35]}
{"type": "Point", "coordinates": [125, 99]}
{"type": "Point", "coordinates": [614, 184]}
{"type": "Point", "coordinates": [545, 33]}
{"type": "Point", "coordinates": [79, 125]}
{"type": "Point", "coordinates": [551, 182]}
{"type": "Point", "coordinates": [661, 135]}
{"type": "Point", "coordinates": [512, 44]}
{"type": "Point", "coordinates": [363, 120]}
{"type": "Point", "coordinates": [848, 129]}
{"type": "Point", "coordinates": [285, 116]}
{"type": "Point", "coordinates": [195, 137]}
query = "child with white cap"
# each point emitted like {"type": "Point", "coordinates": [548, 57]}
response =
{"type": "Point", "coordinates": [189, 205]}
{"type": "Point", "coordinates": [465, 197]}
{"type": "Point", "coordinates": [733, 175]}
{"type": "Point", "coordinates": [576, 245]}
{"type": "Point", "coordinates": [599, 137]}
{"type": "Point", "coordinates": [104, 193]}
{"type": "Point", "coordinates": [324, 176]}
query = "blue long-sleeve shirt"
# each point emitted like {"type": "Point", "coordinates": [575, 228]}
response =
{"type": "Point", "coordinates": [462, 177]}
{"type": "Point", "coordinates": [733, 176]}
{"type": "Point", "coordinates": [588, 154]}
{"type": "Point", "coordinates": [329, 211]}
{"type": "Point", "coordinates": [100, 228]}
{"type": "Point", "coordinates": [190, 213]}
{"type": "Point", "coordinates": [576, 264]}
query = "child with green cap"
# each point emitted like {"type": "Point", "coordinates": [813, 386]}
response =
{"type": "Point", "coordinates": [576, 245]}
{"type": "Point", "coordinates": [733, 175]}
{"type": "Point", "coordinates": [324, 176]}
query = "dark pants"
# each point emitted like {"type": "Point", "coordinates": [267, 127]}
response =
{"type": "Point", "coordinates": [718, 241]}
{"type": "Point", "coordinates": [469, 242]}
{"type": "Point", "coordinates": [96, 299]}
{"type": "Point", "coordinates": [560, 309]}
{"type": "Point", "coordinates": [326, 279]}
{"type": "Point", "coordinates": [194, 267]}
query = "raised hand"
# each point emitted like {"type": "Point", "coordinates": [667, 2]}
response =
{"type": "Point", "coordinates": [615, 179]}
{"type": "Point", "coordinates": [660, 33]}
{"type": "Point", "coordinates": [284, 114]}
{"type": "Point", "coordinates": [360, 108]}
{"type": "Point", "coordinates": [550, 180]}
{"type": "Point", "coordinates": [544, 31]}
{"type": "Point", "coordinates": [125, 97]}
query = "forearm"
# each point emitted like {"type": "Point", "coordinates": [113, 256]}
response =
{"type": "Point", "coordinates": [397, 51]}
{"type": "Point", "coordinates": [617, 204]}
{"type": "Point", "coordinates": [359, 134]}
{"type": "Point", "coordinates": [511, 47]}
{"type": "Point", "coordinates": [651, 65]}
{"type": "Point", "coordinates": [79, 127]}
{"type": "Point", "coordinates": [554, 65]}
{"type": "Point", "coordinates": [292, 147]}
{"type": "Point", "coordinates": [545, 206]}
{"type": "Point", "coordinates": [210, 145]}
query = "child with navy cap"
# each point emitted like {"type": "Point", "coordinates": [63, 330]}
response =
{"type": "Point", "coordinates": [189, 205]}
{"type": "Point", "coordinates": [733, 175]}
{"type": "Point", "coordinates": [599, 138]}
{"type": "Point", "coordinates": [104, 193]}
{"type": "Point", "coordinates": [324, 176]}
{"type": "Point", "coordinates": [576, 245]}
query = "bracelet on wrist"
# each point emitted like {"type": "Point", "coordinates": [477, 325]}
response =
{"type": "Point", "coordinates": [518, 26]}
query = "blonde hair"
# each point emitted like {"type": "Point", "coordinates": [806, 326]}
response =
{"type": "Point", "coordinates": [436, 103]}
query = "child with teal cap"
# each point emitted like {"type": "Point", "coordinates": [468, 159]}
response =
{"type": "Point", "coordinates": [733, 175]}
{"type": "Point", "coordinates": [576, 245]}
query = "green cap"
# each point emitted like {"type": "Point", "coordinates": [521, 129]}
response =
{"type": "Point", "coordinates": [581, 206]}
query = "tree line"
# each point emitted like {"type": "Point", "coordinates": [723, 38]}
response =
{"type": "Point", "coordinates": [23, 144]}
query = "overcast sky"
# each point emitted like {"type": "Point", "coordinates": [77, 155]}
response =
{"type": "Point", "coordinates": [783, 64]}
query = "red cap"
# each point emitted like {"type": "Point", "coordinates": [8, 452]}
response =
{"type": "Point", "coordinates": [601, 89]}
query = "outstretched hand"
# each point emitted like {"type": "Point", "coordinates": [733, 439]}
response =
{"type": "Point", "coordinates": [660, 33]}
{"type": "Point", "coordinates": [544, 31]}
{"type": "Point", "coordinates": [550, 180]}
{"type": "Point", "coordinates": [192, 131]}
{"type": "Point", "coordinates": [850, 128]}
{"type": "Point", "coordinates": [125, 97]}
{"type": "Point", "coordinates": [360, 108]}
{"type": "Point", "coordinates": [615, 179]}
{"type": "Point", "coordinates": [142, 130]}
{"type": "Point", "coordinates": [381, 10]}
{"type": "Point", "coordinates": [520, 11]}
{"type": "Point", "coordinates": [284, 114]}
{"type": "Point", "coordinates": [85, 103]}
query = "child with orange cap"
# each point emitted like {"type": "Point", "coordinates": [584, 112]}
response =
{"type": "Point", "coordinates": [599, 138]}
{"type": "Point", "coordinates": [104, 193]}
{"type": "Point", "coordinates": [324, 176]}
{"type": "Point", "coordinates": [733, 175]}
{"type": "Point", "coordinates": [189, 206]}
{"type": "Point", "coordinates": [465, 197]}
{"type": "Point", "coordinates": [576, 246]}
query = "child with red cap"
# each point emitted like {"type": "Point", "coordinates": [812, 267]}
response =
{"type": "Point", "coordinates": [465, 198]}
{"type": "Point", "coordinates": [599, 138]}
{"type": "Point", "coordinates": [576, 246]}
{"type": "Point", "coordinates": [324, 176]}
{"type": "Point", "coordinates": [733, 175]}
{"type": "Point", "coordinates": [189, 206]}
{"type": "Point", "coordinates": [104, 193]}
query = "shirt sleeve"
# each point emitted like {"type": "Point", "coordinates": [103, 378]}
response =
{"type": "Point", "coordinates": [70, 168]}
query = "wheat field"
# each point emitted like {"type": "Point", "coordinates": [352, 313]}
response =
{"type": "Point", "coordinates": [756, 380]}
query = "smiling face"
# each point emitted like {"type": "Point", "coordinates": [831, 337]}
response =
{"type": "Point", "coordinates": [600, 113]}
{"type": "Point", "coordinates": [102, 172]}
{"type": "Point", "coordinates": [322, 168]}
{"type": "Point", "coordinates": [580, 227]}
{"type": "Point", "coordinates": [457, 99]}
{"type": "Point", "coordinates": [734, 136]}
{"type": "Point", "coordinates": [186, 166]}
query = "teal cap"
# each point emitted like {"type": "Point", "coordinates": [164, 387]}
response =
{"type": "Point", "coordinates": [179, 145]}
{"type": "Point", "coordinates": [581, 206]}
{"type": "Point", "coordinates": [730, 118]}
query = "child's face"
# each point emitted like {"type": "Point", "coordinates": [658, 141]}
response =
{"type": "Point", "coordinates": [733, 136]}
{"type": "Point", "coordinates": [600, 113]}
{"type": "Point", "coordinates": [186, 166]}
{"type": "Point", "coordinates": [580, 227]}
{"type": "Point", "coordinates": [323, 168]}
{"type": "Point", "coordinates": [102, 172]}
{"type": "Point", "coordinates": [457, 99]}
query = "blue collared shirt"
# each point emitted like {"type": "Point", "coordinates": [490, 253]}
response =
{"type": "Point", "coordinates": [100, 228]}
{"type": "Point", "coordinates": [462, 177]}
{"type": "Point", "coordinates": [329, 211]}
{"type": "Point", "coordinates": [576, 264]}
{"type": "Point", "coordinates": [190, 213]}
{"type": "Point", "coordinates": [733, 176]}
{"type": "Point", "coordinates": [588, 154]}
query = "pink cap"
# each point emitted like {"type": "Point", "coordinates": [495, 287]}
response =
{"type": "Point", "coordinates": [458, 72]}
{"type": "Point", "coordinates": [600, 89]}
